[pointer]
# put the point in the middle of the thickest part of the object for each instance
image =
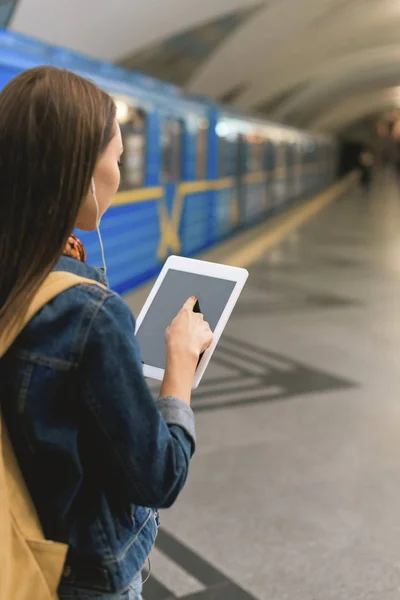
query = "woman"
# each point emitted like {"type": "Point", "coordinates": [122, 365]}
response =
{"type": "Point", "coordinates": [95, 448]}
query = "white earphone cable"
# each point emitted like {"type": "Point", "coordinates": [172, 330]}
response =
{"type": "Point", "coordinates": [98, 226]}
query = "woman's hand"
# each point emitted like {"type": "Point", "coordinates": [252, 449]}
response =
{"type": "Point", "coordinates": [186, 338]}
{"type": "Point", "coordinates": [188, 335]}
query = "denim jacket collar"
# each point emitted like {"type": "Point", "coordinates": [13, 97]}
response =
{"type": "Point", "coordinates": [72, 265]}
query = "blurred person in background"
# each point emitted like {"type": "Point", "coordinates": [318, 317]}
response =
{"type": "Point", "coordinates": [99, 454]}
{"type": "Point", "coordinates": [366, 162]}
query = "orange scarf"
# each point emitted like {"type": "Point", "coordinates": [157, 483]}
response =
{"type": "Point", "coordinates": [75, 249]}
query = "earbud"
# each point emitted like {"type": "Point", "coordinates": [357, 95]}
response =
{"type": "Point", "coordinates": [98, 218]}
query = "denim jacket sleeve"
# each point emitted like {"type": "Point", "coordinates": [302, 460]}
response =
{"type": "Point", "coordinates": [145, 443]}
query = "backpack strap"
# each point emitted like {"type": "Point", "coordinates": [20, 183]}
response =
{"type": "Point", "coordinates": [53, 285]}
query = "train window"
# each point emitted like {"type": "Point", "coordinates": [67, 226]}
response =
{"type": "Point", "coordinates": [255, 153]}
{"type": "Point", "coordinates": [269, 155]}
{"type": "Point", "coordinates": [171, 150]}
{"type": "Point", "coordinates": [228, 149]}
{"type": "Point", "coordinates": [227, 156]}
{"type": "Point", "coordinates": [222, 156]}
{"type": "Point", "coordinates": [291, 155]}
{"type": "Point", "coordinates": [202, 147]}
{"type": "Point", "coordinates": [311, 153]}
{"type": "Point", "coordinates": [133, 130]}
{"type": "Point", "coordinates": [280, 154]}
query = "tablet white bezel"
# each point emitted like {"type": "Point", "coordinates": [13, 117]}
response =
{"type": "Point", "coordinates": [191, 265]}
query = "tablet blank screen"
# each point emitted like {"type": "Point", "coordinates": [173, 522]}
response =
{"type": "Point", "coordinates": [176, 288]}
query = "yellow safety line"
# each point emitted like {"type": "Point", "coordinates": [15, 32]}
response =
{"type": "Point", "coordinates": [287, 223]}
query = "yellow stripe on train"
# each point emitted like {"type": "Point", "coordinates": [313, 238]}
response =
{"type": "Point", "coordinates": [184, 188]}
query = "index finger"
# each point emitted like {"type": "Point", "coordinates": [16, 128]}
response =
{"type": "Point", "coordinates": [190, 303]}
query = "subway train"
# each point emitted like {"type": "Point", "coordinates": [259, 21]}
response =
{"type": "Point", "coordinates": [193, 172]}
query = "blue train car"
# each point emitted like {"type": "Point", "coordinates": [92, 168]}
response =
{"type": "Point", "coordinates": [193, 173]}
{"type": "Point", "coordinates": [261, 168]}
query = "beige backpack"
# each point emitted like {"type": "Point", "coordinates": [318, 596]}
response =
{"type": "Point", "coordinates": [30, 565]}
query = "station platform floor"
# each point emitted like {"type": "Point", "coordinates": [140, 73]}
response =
{"type": "Point", "coordinates": [294, 491]}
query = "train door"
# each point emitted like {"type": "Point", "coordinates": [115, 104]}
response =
{"type": "Point", "coordinates": [297, 171]}
{"type": "Point", "coordinates": [290, 171]}
{"type": "Point", "coordinates": [302, 168]}
{"type": "Point", "coordinates": [240, 172]}
{"type": "Point", "coordinates": [280, 184]}
{"type": "Point", "coordinates": [254, 179]}
{"type": "Point", "coordinates": [227, 200]}
{"type": "Point", "coordinates": [172, 132]}
{"type": "Point", "coordinates": [270, 171]}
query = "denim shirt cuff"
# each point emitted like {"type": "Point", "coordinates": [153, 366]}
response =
{"type": "Point", "coordinates": [177, 412]}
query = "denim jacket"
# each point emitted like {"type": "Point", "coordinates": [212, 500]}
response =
{"type": "Point", "coordinates": [94, 446]}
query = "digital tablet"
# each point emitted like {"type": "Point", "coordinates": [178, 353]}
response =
{"type": "Point", "coordinates": [217, 288]}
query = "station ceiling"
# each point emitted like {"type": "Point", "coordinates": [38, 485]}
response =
{"type": "Point", "coordinates": [319, 64]}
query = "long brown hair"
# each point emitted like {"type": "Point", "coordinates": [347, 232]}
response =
{"type": "Point", "coordinates": [54, 125]}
